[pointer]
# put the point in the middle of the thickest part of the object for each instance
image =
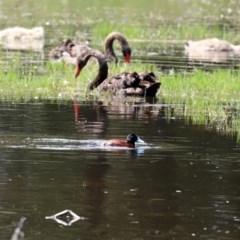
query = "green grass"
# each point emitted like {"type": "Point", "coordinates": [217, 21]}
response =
{"type": "Point", "coordinates": [164, 32]}
{"type": "Point", "coordinates": [56, 81]}
{"type": "Point", "coordinates": [218, 85]}
{"type": "Point", "coordinates": [210, 98]}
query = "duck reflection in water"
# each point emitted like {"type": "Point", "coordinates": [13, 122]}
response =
{"type": "Point", "coordinates": [97, 186]}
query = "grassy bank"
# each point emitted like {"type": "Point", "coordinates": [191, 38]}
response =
{"type": "Point", "coordinates": [219, 85]}
{"type": "Point", "coordinates": [210, 98]}
{"type": "Point", "coordinates": [197, 88]}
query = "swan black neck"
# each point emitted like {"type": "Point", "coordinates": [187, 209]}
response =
{"type": "Point", "coordinates": [102, 71]}
{"type": "Point", "coordinates": [109, 51]}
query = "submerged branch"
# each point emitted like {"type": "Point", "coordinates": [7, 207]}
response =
{"type": "Point", "coordinates": [18, 233]}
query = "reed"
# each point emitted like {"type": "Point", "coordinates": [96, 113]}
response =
{"type": "Point", "coordinates": [209, 98]}
{"type": "Point", "coordinates": [219, 85]}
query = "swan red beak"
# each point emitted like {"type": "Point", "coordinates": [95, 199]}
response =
{"type": "Point", "coordinates": [127, 58]}
{"type": "Point", "coordinates": [77, 71]}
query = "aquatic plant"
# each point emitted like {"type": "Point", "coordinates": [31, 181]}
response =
{"type": "Point", "coordinates": [209, 98]}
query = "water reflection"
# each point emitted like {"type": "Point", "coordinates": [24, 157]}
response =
{"type": "Point", "coordinates": [85, 122]}
{"type": "Point", "coordinates": [97, 189]}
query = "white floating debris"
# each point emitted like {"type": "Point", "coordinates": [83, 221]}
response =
{"type": "Point", "coordinates": [70, 216]}
{"type": "Point", "coordinates": [133, 190]}
{"type": "Point", "coordinates": [18, 233]}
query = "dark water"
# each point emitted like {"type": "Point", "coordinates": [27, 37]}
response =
{"type": "Point", "coordinates": [182, 184]}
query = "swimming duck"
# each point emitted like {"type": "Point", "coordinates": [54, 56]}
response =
{"type": "Point", "coordinates": [75, 49]}
{"type": "Point", "coordinates": [126, 84]}
{"type": "Point", "coordinates": [129, 142]}
{"type": "Point", "coordinates": [211, 49]}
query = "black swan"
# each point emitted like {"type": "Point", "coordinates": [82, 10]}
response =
{"type": "Point", "coordinates": [127, 84]}
{"type": "Point", "coordinates": [109, 51]}
{"type": "Point", "coordinates": [69, 47]}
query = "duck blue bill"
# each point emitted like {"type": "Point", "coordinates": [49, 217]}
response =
{"type": "Point", "coordinates": [139, 140]}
